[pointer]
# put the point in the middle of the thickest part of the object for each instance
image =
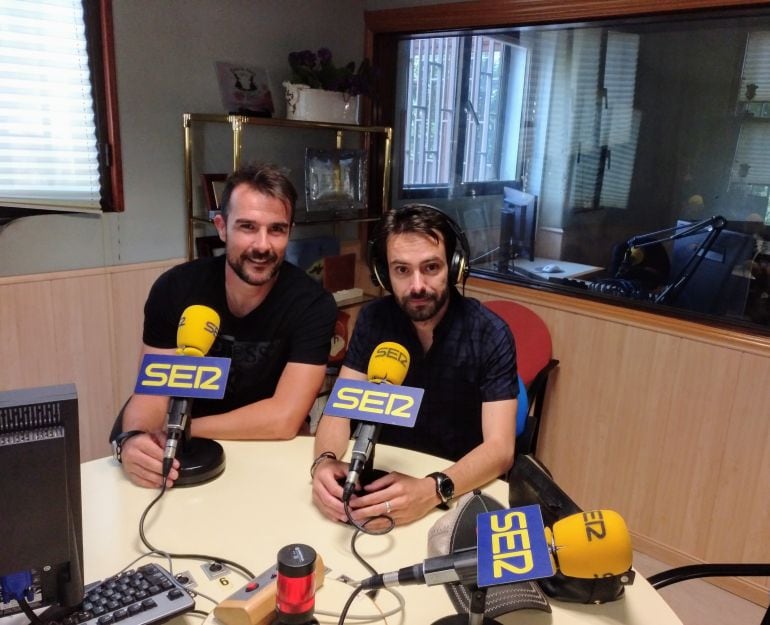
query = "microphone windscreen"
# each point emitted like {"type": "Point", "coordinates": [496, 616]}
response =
{"type": "Point", "coordinates": [389, 362]}
{"type": "Point", "coordinates": [198, 327]}
{"type": "Point", "coordinates": [592, 544]}
{"type": "Point", "coordinates": [635, 255]}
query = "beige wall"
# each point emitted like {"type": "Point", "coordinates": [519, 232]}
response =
{"type": "Point", "coordinates": [83, 327]}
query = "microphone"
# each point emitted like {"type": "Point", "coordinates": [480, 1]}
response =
{"type": "Point", "coordinates": [388, 364]}
{"type": "Point", "coordinates": [198, 327]}
{"type": "Point", "coordinates": [585, 545]}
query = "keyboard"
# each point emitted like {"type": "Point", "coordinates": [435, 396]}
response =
{"type": "Point", "coordinates": [145, 596]}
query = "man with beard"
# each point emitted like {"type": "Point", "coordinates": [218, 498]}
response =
{"type": "Point", "coordinates": [276, 325]}
{"type": "Point", "coordinates": [461, 354]}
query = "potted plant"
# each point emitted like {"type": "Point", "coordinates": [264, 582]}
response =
{"type": "Point", "coordinates": [321, 91]}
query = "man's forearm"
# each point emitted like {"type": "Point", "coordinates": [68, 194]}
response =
{"type": "Point", "coordinates": [480, 466]}
{"type": "Point", "coordinates": [333, 435]}
{"type": "Point", "coordinates": [145, 412]}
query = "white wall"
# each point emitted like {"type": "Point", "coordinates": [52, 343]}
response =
{"type": "Point", "coordinates": [165, 53]}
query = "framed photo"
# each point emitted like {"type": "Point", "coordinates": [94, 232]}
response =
{"type": "Point", "coordinates": [213, 185]}
{"type": "Point", "coordinates": [209, 246]}
{"type": "Point", "coordinates": [245, 89]}
{"type": "Point", "coordinates": [335, 180]}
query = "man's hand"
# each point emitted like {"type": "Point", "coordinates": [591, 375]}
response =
{"type": "Point", "coordinates": [402, 497]}
{"type": "Point", "coordinates": [142, 458]}
{"type": "Point", "coordinates": [327, 493]}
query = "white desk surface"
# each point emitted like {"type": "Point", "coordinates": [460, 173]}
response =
{"type": "Point", "coordinates": [262, 502]}
{"type": "Point", "coordinates": [569, 270]}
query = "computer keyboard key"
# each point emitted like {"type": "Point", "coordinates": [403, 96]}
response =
{"type": "Point", "coordinates": [147, 596]}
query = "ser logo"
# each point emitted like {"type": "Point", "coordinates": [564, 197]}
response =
{"type": "Point", "coordinates": [208, 326]}
{"type": "Point", "coordinates": [395, 354]}
{"type": "Point", "coordinates": [378, 403]}
{"type": "Point", "coordinates": [512, 546]}
{"type": "Point", "coordinates": [183, 376]}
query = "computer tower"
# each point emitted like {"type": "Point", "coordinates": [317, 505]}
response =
{"type": "Point", "coordinates": [41, 533]}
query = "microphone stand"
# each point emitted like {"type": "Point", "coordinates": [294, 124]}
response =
{"type": "Point", "coordinates": [200, 459]}
{"type": "Point", "coordinates": [712, 225]}
{"type": "Point", "coordinates": [475, 611]}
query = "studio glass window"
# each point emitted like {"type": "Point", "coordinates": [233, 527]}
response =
{"type": "Point", "coordinates": [596, 158]}
{"type": "Point", "coordinates": [57, 155]}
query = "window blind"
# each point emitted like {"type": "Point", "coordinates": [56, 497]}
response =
{"type": "Point", "coordinates": [48, 147]}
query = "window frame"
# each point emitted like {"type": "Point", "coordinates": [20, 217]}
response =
{"type": "Point", "coordinates": [101, 59]}
{"type": "Point", "coordinates": [456, 186]}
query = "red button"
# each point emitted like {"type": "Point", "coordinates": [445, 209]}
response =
{"type": "Point", "coordinates": [251, 586]}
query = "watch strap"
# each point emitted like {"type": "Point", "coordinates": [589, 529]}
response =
{"type": "Point", "coordinates": [120, 440]}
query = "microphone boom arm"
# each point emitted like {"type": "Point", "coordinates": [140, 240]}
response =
{"type": "Point", "coordinates": [713, 225]}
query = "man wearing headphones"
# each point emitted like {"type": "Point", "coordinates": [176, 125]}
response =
{"type": "Point", "coordinates": [462, 355]}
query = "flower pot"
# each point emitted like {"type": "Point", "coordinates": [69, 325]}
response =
{"type": "Point", "coordinates": [319, 105]}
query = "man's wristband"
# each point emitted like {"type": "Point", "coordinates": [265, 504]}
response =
{"type": "Point", "coordinates": [323, 456]}
{"type": "Point", "coordinates": [120, 440]}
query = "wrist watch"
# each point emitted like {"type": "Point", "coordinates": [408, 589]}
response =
{"type": "Point", "coordinates": [120, 440]}
{"type": "Point", "coordinates": [445, 488]}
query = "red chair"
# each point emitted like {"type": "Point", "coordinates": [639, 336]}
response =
{"type": "Point", "coordinates": [534, 361]}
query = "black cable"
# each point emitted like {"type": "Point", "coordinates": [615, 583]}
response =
{"type": "Point", "coordinates": [362, 527]}
{"type": "Point", "coordinates": [33, 618]}
{"type": "Point", "coordinates": [348, 603]}
{"type": "Point", "coordinates": [189, 556]}
{"type": "Point", "coordinates": [358, 556]}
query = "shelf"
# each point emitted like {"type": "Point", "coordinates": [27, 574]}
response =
{"type": "Point", "coordinates": [378, 174]}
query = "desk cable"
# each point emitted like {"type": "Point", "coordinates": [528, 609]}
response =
{"type": "Point", "coordinates": [188, 556]}
{"type": "Point", "coordinates": [361, 527]}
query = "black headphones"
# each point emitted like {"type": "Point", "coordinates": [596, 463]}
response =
{"type": "Point", "coordinates": [458, 264]}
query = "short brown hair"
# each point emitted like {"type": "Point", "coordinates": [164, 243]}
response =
{"type": "Point", "coordinates": [265, 178]}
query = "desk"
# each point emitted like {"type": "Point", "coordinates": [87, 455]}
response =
{"type": "Point", "coordinates": [262, 502]}
{"type": "Point", "coordinates": [569, 270]}
{"type": "Point", "coordinates": [535, 267]}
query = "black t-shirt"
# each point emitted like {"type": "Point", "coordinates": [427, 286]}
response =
{"type": "Point", "coordinates": [472, 360]}
{"type": "Point", "coordinates": [293, 324]}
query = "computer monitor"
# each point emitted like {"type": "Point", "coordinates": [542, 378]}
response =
{"type": "Point", "coordinates": [518, 219]}
{"type": "Point", "coordinates": [41, 534]}
{"type": "Point", "coordinates": [718, 279]}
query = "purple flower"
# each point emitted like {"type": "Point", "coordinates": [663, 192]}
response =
{"type": "Point", "coordinates": [319, 72]}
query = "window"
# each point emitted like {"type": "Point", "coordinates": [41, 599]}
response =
{"type": "Point", "coordinates": [620, 143]}
{"type": "Point", "coordinates": [463, 111]}
{"type": "Point", "coordinates": [58, 135]}
{"type": "Point", "coordinates": [750, 175]}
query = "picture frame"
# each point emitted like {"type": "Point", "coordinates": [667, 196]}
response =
{"type": "Point", "coordinates": [336, 181]}
{"type": "Point", "coordinates": [210, 245]}
{"type": "Point", "coordinates": [245, 89]}
{"type": "Point", "coordinates": [213, 185]}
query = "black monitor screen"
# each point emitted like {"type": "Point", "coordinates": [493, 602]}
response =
{"type": "Point", "coordinates": [713, 285]}
{"type": "Point", "coordinates": [518, 219]}
{"type": "Point", "coordinates": [41, 537]}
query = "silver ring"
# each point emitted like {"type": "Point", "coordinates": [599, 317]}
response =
{"type": "Point", "coordinates": [387, 507]}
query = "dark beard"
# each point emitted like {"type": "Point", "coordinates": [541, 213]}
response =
{"type": "Point", "coordinates": [425, 312]}
{"type": "Point", "coordinates": [238, 265]}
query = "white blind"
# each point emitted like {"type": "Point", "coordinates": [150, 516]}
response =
{"type": "Point", "coordinates": [48, 150]}
{"type": "Point", "coordinates": [752, 156]}
{"type": "Point", "coordinates": [756, 68]}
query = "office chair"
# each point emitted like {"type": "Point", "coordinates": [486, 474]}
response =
{"type": "Point", "coordinates": [534, 361]}
{"type": "Point", "coordinates": [694, 571]}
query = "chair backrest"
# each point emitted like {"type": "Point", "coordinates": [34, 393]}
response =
{"type": "Point", "coordinates": [533, 340]}
{"type": "Point", "coordinates": [534, 362]}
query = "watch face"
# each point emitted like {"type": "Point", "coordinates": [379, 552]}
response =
{"type": "Point", "coordinates": [446, 487]}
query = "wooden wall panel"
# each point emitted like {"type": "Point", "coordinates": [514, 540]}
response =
{"type": "Point", "coordinates": [81, 327]}
{"type": "Point", "coordinates": [669, 426]}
